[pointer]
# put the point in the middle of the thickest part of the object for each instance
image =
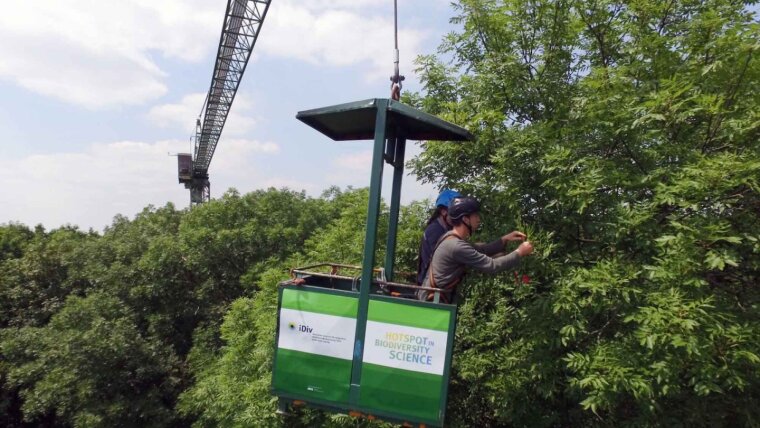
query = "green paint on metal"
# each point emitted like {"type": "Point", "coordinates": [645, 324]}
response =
{"type": "Point", "coordinates": [357, 121]}
{"type": "Point", "coordinates": [370, 240]}
{"type": "Point", "coordinates": [392, 393]}
{"type": "Point", "coordinates": [398, 174]}
{"type": "Point", "coordinates": [312, 376]}
{"type": "Point", "coordinates": [322, 303]}
{"type": "Point", "coordinates": [405, 376]}
{"type": "Point", "coordinates": [403, 393]}
{"type": "Point", "coordinates": [412, 316]}
{"type": "Point", "coordinates": [413, 392]}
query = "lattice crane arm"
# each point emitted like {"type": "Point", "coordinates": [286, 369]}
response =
{"type": "Point", "coordinates": [242, 23]}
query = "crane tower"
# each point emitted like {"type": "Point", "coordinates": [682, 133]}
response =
{"type": "Point", "coordinates": [242, 23]}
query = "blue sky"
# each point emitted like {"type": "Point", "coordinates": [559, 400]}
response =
{"type": "Point", "coordinates": [96, 93]}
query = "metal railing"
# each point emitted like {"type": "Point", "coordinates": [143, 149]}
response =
{"type": "Point", "coordinates": [335, 272]}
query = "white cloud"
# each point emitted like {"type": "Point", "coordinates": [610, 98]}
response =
{"type": "Point", "coordinates": [238, 153]}
{"type": "Point", "coordinates": [361, 161]}
{"type": "Point", "coordinates": [90, 187]}
{"type": "Point", "coordinates": [353, 169]}
{"type": "Point", "coordinates": [339, 33]}
{"type": "Point", "coordinates": [317, 5]}
{"type": "Point", "coordinates": [108, 53]}
{"type": "Point", "coordinates": [60, 70]}
{"type": "Point", "coordinates": [99, 53]}
{"type": "Point", "coordinates": [311, 188]}
{"type": "Point", "coordinates": [182, 115]}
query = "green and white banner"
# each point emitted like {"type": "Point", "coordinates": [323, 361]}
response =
{"type": "Point", "coordinates": [314, 333]}
{"type": "Point", "coordinates": [405, 360]}
{"type": "Point", "coordinates": [404, 347]}
{"type": "Point", "coordinates": [315, 344]}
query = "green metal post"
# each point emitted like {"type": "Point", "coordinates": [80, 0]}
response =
{"type": "Point", "coordinates": [398, 175]}
{"type": "Point", "coordinates": [370, 240]}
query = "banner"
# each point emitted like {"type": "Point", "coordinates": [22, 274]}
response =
{"type": "Point", "coordinates": [404, 347]}
{"type": "Point", "coordinates": [319, 334]}
{"type": "Point", "coordinates": [315, 344]}
{"type": "Point", "coordinates": [405, 360]}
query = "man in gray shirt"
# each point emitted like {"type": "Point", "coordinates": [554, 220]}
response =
{"type": "Point", "coordinates": [454, 253]}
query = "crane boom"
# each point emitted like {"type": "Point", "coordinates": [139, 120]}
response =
{"type": "Point", "coordinates": [242, 23]}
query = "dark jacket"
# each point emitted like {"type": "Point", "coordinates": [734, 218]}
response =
{"type": "Point", "coordinates": [430, 238]}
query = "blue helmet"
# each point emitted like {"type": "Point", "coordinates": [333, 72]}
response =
{"type": "Point", "coordinates": [445, 198]}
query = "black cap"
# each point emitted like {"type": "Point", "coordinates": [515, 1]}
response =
{"type": "Point", "coordinates": [460, 207]}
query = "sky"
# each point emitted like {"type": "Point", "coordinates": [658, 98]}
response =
{"type": "Point", "coordinates": [96, 94]}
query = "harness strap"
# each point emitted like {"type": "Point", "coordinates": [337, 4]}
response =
{"type": "Point", "coordinates": [445, 291]}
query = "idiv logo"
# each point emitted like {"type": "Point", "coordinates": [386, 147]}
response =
{"type": "Point", "coordinates": [300, 327]}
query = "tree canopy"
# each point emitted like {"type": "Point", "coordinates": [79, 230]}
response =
{"type": "Point", "coordinates": [622, 137]}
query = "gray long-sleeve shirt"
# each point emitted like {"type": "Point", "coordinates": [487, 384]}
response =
{"type": "Point", "coordinates": [454, 255]}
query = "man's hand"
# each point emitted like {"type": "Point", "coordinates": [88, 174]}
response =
{"type": "Point", "coordinates": [513, 236]}
{"type": "Point", "coordinates": [525, 249]}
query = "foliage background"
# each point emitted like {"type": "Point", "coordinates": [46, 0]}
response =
{"type": "Point", "coordinates": [622, 136]}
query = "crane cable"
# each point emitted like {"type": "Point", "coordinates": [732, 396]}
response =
{"type": "Point", "coordinates": [396, 79]}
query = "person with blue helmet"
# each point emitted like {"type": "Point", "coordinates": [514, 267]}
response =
{"type": "Point", "coordinates": [454, 254]}
{"type": "Point", "coordinates": [437, 225]}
